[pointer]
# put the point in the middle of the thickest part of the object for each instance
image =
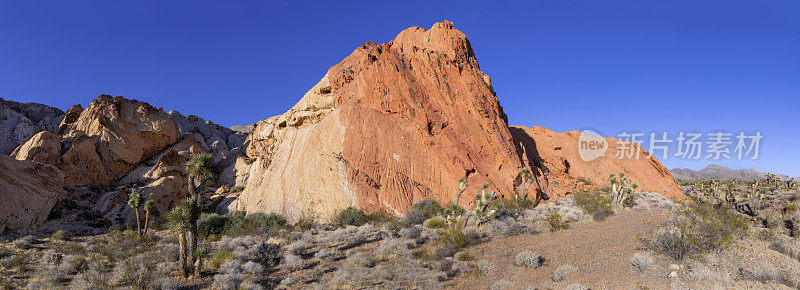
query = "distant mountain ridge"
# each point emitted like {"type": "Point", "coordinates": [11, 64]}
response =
{"type": "Point", "coordinates": [722, 172]}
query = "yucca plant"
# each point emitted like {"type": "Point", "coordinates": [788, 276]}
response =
{"type": "Point", "coordinates": [179, 216]}
{"type": "Point", "coordinates": [200, 170]}
{"type": "Point", "coordinates": [135, 201]}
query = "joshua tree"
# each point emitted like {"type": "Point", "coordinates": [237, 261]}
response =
{"type": "Point", "coordinates": [180, 217]}
{"type": "Point", "coordinates": [462, 185]}
{"type": "Point", "coordinates": [148, 205]}
{"type": "Point", "coordinates": [790, 184]}
{"type": "Point", "coordinates": [135, 201]}
{"type": "Point", "coordinates": [527, 179]}
{"type": "Point", "coordinates": [730, 191]}
{"type": "Point", "coordinates": [621, 188]}
{"type": "Point", "coordinates": [482, 201]}
{"type": "Point", "coordinates": [200, 172]}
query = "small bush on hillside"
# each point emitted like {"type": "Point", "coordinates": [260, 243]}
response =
{"type": "Point", "coordinates": [699, 229]}
{"type": "Point", "coordinates": [60, 235]}
{"type": "Point", "coordinates": [435, 223]}
{"type": "Point", "coordinates": [595, 204]}
{"type": "Point", "coordinates": [422, 211]}
{"type": "Point", "coordinates": [227, 281]}
{"type": "Point", "coordinates": [555, 222]}
{"type": "Point", "coordinates": [220, 257]}
{"type": "Point", "coordinates": [528, 259]}
{"type": "Point", "coordinates": [266, 254]}
{"type": "Point", "coordinates": [562, 272]}
{"type": "Point", "coordinates": [91, 279]}
{"type": "Point", "coordinates": [241, 224]}
{"type": "Point", "coordinates": [211, 224]}
{"type": "Point", "coordinates": [455, 237]}
{"type": "Point", "coordinates": [351, 216]}
{"type": "Point", "coordinates": [642, 261]}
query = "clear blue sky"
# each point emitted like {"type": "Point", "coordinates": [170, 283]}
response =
{"type": "Point", "coordinates": [605, 65]}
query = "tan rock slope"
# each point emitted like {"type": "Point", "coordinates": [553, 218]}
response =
{"type": "Point", "coordinates": [558, 152]}
{"type": "Point", "coordinates": [28, 191]}
{"type": "Point", "coordinates": [398, 122]}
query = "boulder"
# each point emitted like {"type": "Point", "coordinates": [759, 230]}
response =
{"type": "Point", "coordinates": [19, 121]}
{"type": "Point", "coordinates": [43, 147]}
{"type": "Point", "coordinates": [28, 191]}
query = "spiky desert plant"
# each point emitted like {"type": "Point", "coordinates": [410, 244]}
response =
{"type": "Point", "coordinates": [790, 184]}
{"type": "Point", "coordinates": [621, 188]}
{"type": "Point", "coordinates": [527, 179]}
{"type": "Point", "coordinates": [179, 216]}
{"type": "Point", "coordinates": [200, 169]}
{"type": "Point", "coordinates": [148, 206]}
{"type": "Point", "coordinates": [730, 192]}
{"type": "Point", "coordinates": [462, 186]}
{"type": "Point", "coordinates": [135, 201]}
{"type": "Point", "coordinates": [482, 201]}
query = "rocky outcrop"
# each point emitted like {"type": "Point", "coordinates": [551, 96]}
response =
{"type": "Point", "coordinates": [390, 125]}
{"type": "Point", "coordinates": [102, 143]}
{"type": "Point", "coordinates": [19, 121]}
{"type": "Point", "coordinates": [555, 158]}
{"type": "Point", "coordinates": [28, 191]}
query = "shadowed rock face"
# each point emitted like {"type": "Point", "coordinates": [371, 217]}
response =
{"type": "Point", "coordinates": [28, 191]}
{"type": "Point", "coordinates": [558, 152]}
{"type": "Point", "coordinates": [390, 125]}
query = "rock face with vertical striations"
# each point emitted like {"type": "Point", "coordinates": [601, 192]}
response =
{"type": "Point", "coordinates": [390, 125]}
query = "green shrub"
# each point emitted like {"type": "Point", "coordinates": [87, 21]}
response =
{"type": "Point", "coordinates": [211, 224]}
{"type": "Point", "coordinates": [464, 256]}
{"type": "Point", "coordinates": [60, 235]}
{"type": "Point", "coordinates": [351, 216]}
{"type": "Point", "coordinates": [240, 224]}
{"type": "Point", "coordinates": [435, 223]}
{"type": "Point", "coordinates": [595, 204]}
{"type": "Point", "coordinates": [555, 222]}
{"type": "Point", "coordinates": [423, 210]}
{"type": "Point", "coordinates": [455, 238]}
{"type": "Point", "coordinates": [699, 229]}
{"type": "Point", "coordinates": [220, 257]}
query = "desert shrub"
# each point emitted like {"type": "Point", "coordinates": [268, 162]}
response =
{"type": "Point", "coordinates": [412, 232]}
{"type": "Point", "coordinates": [528, 259]}
{"type": "Point", "coordinates": [455, 237]}
{"type": "Point", "coordinates": [19, 262]}
{"type": "Point", "coordinates": [595, 204]}
{"type": "Point", "coordinates": [220, 257]}
{"type": "Point", "coordinates": [306, 222]}
{"type": "Point", "coordinates": [91, 279]}
{"type": "Point", "coordinates": [768, 235]}
{"type": "Point", "coordinates": [293, 262]}
{"type": "Point", "coordinates": [231, 266]}
{"type": "Point", "coordinates": [464, 255]}
{"type": "Point", "coordinates": [505, 226]}
{"type": "Point", "coordinates": [241, 224]}
{"type": "Point", "coordinates": [394, 247]}
{"type": "Point", "coordinates": [327, 254]}
{"type": "Point", "coordinates": [351, 216]}
{"type": "Point", "coordinates": [761, 272]}
{"type": "Point", "coordinates": [435, 223]}
{"type": "Point", "coordinates": [227, 281]}
{"type": "Point", "coordinates": [134, 271]}
{"type": "Point", "coordinates": [23, 243]}
{"type": "Point", "coordinates": [72, 264]}
{"type": "Point", "coordinates": [60, 235]}
{"type": "Point", "coordinates": [423, 210]}
{"type": "Point", "coordinates": [555, 222]}
{"type": "Point", "coordinates": [642, 261]}
{"type": "Point", "coordinates": [211, 224]}
{"type": "Point", "coordinates": [266, 254]}
{"type": "Point", "coordinates": [699, 229]}
{"type": "Point", "coordinates": [237, 244]}
{"type": "Point", "coordinates": [252, 268]}
{"type": "Point", "coordinates": [121, 245]}
{"type": "Point", "coordinates": [562, 272]}
{"type": "Point", "coordinates": [360, 260]}
{"type": "Point", "coordinates": [168, 251]}
{"type": "Point", "coordinates": [299, 247]}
